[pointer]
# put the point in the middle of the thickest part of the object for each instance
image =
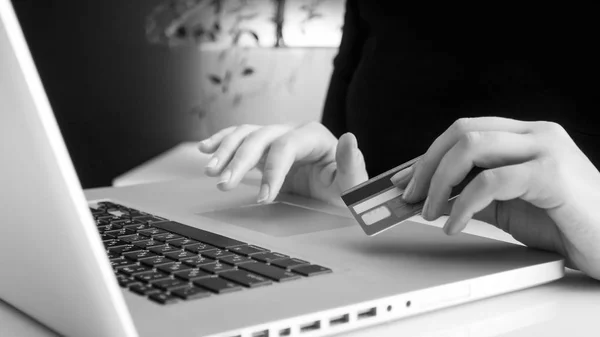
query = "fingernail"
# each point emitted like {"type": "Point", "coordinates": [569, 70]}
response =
{"type": "Point", "coordinates": [409, 189]}
{"type": "Point", "coordinates": [354, 141]}
{"type": "Point", "coordinates": [263, 194]}
{"type": "Point", "coordinates": [448, 225]}
{"type": "Point", "coordinates": [212, 163]}
{"type": "Point", "coordinates": [203, 143]}
{"type": "Point", "coordinates": [225, 177]}
{"type": "Point", "coordinates": [400, 178]}
{"type": "Point", "coordinates": [425, 211]}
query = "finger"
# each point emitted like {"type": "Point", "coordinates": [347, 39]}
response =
{"type": "Point", "coordinates": [426, 166]}
{"type": "Point", "coordinates": [249, 153]}
{"type": "Point", "coordinates": [210, 144]}
{"type": "Point", "coordinates": [280, 159]}
{"type": "Point", "coordinates": [502, 183]}
{"type": "Point", "coordinates": [227, 147]}
{"type": "Point", "coordinates": [403, 177]}
{"type": "Point", "coordinates": [350, 163]}
{"type": "Point", "coordinates": [307, 144]}
{"type": "Point", "coordinates": [475, 150]}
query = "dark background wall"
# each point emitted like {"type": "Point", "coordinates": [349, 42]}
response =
{"type": "Point", "coordinates": [118, 99]}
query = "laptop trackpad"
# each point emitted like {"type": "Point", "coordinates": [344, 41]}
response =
{"type": "Point", "coordinates": [279, 219]}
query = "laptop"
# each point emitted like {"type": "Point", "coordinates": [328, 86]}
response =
{"type": "Point", "coordinates": [181, 258]}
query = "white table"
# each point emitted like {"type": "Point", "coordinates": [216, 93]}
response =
{"type": "Point", "coordinates": [570, 306]}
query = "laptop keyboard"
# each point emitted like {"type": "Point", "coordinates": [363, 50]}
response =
{"type": "Point", "coordinates": [168, 262]}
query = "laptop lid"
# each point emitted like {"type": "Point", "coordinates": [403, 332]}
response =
{"type": "Point", "coordinates": [55, 268]}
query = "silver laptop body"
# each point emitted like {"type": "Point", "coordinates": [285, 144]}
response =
{"type": "Point", "coordinates": [55, 268]}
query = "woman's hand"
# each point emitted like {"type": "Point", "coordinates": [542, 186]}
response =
{"type": "Point", "coordinates": [538, 185]}
{"type": "Point", "coordinates": [306, 160]}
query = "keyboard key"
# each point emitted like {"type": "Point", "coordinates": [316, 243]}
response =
{"type": "Point", "coordinates": [133, 238]}
{"type": "Point", "coordinates": [118, 232]}
{"type": "Point", "coordinates": [142, 254]}
{"type": "Point", "coordinates": [100, 219]}
{"type": "Point", "coordinates": [216, 267]}
{"type": "Point", "coordinates": [271, 272]}
{"type": "Point", "coordinates": [143, 289]}
{"type": "Point", "coordinates": [132, 212]}
{"type": "Point", "coordinates": [216, 240]}
{"type": "Point", "coordinates": [164, 249]}
{"type": "Point", "coordinates": [125, 281]}
{"type": "Point", "coordinates": [105, 228]}
{"type": "Point", "coordinates": [121, 262]}
{"type": "Point", "coordinates": [245, 278]}
{"type": "Point", "coordinates": [150, 276]}
{"type": "Point", "coordinates": [156, 261]}
{"type": "Point", "coordinates": [198, 261]}
{"type": "Point", "coordinates": [217, 285]}
{"type": "Point", "coordinates": [167, 236]}
{"type": "Point", "coordinates": [289, 263]}
{"type": "Point", "coordinates": [235, 259]}
{"type": "Point", "coordinates": [106, 205]}
{"type": "Point", "coordinates": [114, 243]}
{"type": "Point", "coordinates": [106, 237]}
{"type": "Point", "coordinates": [144, 218]}
{"type": "Point", "coordinates": [181, 242]}
{"type": "Point", "coordinates": [180, 255]}
{"type": "Point", "coordinates": [311, 270]}
{"type": "Point", "coordinates": [124, 249]}
{"type": "Point", "coordinates": [113, 255]}
{"type": "Point", "coordinates": [174, 267]}
{"type": "Point", "coordinates": [191, 274]}
{"type": "Point", "coordinates": [97, 211]}
{"type": "Point", "coordinates": [107, 217]}
{"type": "Point", "coordinates": [190, 293]}
{"type": "Point", "coordinates": [248, 250]}
{"type": "Point", "coordinates": [163, 298]}
{"type": "Point", "coordinates": [133, 270]}
{"type": "Point", "coordinates": [199, 247]}
{"type": "Point", "coordinates": [169, 284]}
{"type": "Point", "coordinates": [149, 243]}
{"type": "Point", "coordinates": [124, 222]}
{"type": "Point", "coordinates": [269, 257]}
{"type": "Point", "coordinates": [138, 227]}
{"type": "Point", "coordinates": [217, 253]}
{"type": "Point", "coordinates": [97, 216]}
{"type": "Point", "coordinates": [152, 231]}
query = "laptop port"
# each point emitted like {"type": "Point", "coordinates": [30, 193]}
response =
{"type": "Point", "coordinates": [316, 325]}
{"type": "Point", "coordinates": [264, 333]}
{"type": "Point", "coordinates": [367, 313]}
{"type": "Point", "coordinates": [339, 320]}
{"type": "Point", "coordinates": [285, 332]}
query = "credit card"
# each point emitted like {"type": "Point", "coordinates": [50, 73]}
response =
{"type": "Point", "coordinates": [377, 203]}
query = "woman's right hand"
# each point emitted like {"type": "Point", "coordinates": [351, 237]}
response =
{"type": "Point", "coordinates": [306, 160]}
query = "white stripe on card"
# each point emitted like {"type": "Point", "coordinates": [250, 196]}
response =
{"type": "Point", "coordinates": [376, 215]}
{"type": "Point", "coordinates": [378, 200]}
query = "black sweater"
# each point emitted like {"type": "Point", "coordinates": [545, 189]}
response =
{"type": "Point", "coordinates": [403, 75]}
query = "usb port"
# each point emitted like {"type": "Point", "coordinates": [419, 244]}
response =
{"type": "Point", "coordinates": [264, 333]}
{"type": "Point", "coordinates": [316, 325]}
{"type": "Point", "coordinates": [339, 320]}
{"type": "Point", "coordinates": [367, 313]}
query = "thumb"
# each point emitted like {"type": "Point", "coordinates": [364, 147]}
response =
{"type": "Point", "coordinates": [350, 162]}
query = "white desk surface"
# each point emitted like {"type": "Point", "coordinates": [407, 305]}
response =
{"type": "Point", "coordinates": [570, 306]}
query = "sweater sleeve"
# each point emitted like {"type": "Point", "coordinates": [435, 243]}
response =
{"type": "Point", "coordinates": [353, 37]}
